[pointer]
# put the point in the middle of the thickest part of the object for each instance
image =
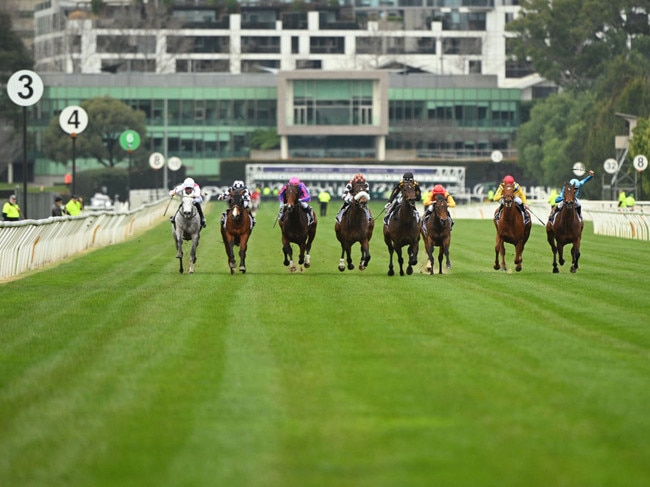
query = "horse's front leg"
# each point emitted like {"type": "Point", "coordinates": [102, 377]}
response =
{"type": "Point", "coordinates": [551, 242]}
{"type": "Point", "coordinates": [519, 255]}
{"type": "Point", "coordinates": [342, 259]}
{"type": "Point", "coordinates": [348, 258]}
{"type": "Point", "coordinates": [575, 255]}
{"type": "Point", "coordinates": [288, 256]}
{"type": "Point", "coordinates": [389, 244]}
{"type": "Point", "coordinates": [400, 259]}
{"type": "Point", "coordinates": [365, 255]}
{"type": "Point", "coordinates": [195, 244]}
{"type": "Point", "coordinates": [441, 253]}
{"type": "Point", "coordinates": [499, 249]}
{"type": "Point", "coordinates": [243, 247]}
{"type": "Point", "coordinates": [179, 253]}
{"type": "Point", "coordinates": [429, 247]}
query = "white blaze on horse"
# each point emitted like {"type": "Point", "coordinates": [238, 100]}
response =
{"type": "Point", "coordinates": [186, 227]}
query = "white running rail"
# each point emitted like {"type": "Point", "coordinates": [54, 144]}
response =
{"type": "Point", "coordinates": [30, 244]}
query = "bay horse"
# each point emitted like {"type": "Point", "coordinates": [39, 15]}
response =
{"type": "Point", "coordinates": [355, 226]}
{"type": "Point", "coordinates": [436, 232]}
{"type": "Point", "coordinates": [296, 230]}
{"type": "Point", "coordinates": [236, 230]}
{"type": "Point", "coordinates": [511, 228]}
{"type": "Point", "coordinates": [565, 228]}
{"type": "Point", "coordinates": [187, 226]}
{"type": "Point", "coordinates": [403, 229]}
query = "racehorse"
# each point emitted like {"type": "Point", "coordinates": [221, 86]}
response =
{"type": "Point", "coordinates": [565, 229]}
{"type": "Point", "coordinates": [355, 227]}
{"type": "Point", "coordinates": [296, 230]}
{"type": "Point", "coordinates": [436, 231]}
{"type": "Point", "coordinates": [511, 228]}
{"type": "Point", "coordinates": [403, 229]}
{"type": "Point", "coordinates": [236, 229]}
{"type": "Point", "coordinates": [187, 226]}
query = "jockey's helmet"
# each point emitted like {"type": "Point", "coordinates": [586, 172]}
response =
{"type": "Point", "coordinates": [509, 179]}
{"type": "Point", "coordinates": [294, 181]}
{"type": "Point", "coordinates": [359, 178]}
{"type": "Point", "coordinates": [238, 185]}
{"type": "Point", "coordinates": [439, 189]}
{"type": "Point", "coordinates": [574, 182]}
{"type": "Point", "coordinates": [188, 183]}
{"type": "Point", "coordinates": [408, 176]}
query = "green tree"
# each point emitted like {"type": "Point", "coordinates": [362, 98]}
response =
{"type": "Point", "coordinates": [569, 41]}
{"type": "Point", "coordinates": [107, 119]}
{"type": "Point", "coordinates": [552, 140]}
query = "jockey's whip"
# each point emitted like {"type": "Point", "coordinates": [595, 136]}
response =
{"type": "Point", "coordinates": [538, 218]}
{"type": "Point", "coordinates": [168, 203]}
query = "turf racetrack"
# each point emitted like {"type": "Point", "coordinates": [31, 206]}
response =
{"type": "Point", "coordinates": [117, 371]}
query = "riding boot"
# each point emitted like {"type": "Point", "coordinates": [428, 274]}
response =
{"type": "Point", "coordinates": [200, 210]}
{"type": "Point", "coordinates": [310, 218]}
{"type": "Point", "coordinates": [252, 218]}
{"type": "Point", "coordinates": [579, 212]}
{"type": "Point", "coordinates": [522, 208]}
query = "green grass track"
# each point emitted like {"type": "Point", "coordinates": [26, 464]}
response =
{"type": "Point", "coordinates": [115, 370]}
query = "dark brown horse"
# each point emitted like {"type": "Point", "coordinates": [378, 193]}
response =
{"type": "Point", "coordinates": [236, 230]}
{"type": "Point", "coordinates": [511, 228]}
{"type": "Point", "coordinates": [566, 228]}
{"type": "Point", "coordinates": [355, 227]}
{"type": "Point", "coordinates": [403, 229]}
{"type": "Point", "coordinates": [296, 230]}
{"type": "Point", "coordinates": [436, 232]}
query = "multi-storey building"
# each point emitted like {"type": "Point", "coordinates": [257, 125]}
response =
{"type": "Point", "coordinates": [389, 80]}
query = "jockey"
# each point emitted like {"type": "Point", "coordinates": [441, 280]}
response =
{"type": "Point", "coordinates": [560, 199]}
{"type": "Point", "coordinates": [348, 196]}
{"type": "Point", "coordinates": [520, 198]}
{"type": "Point", "coordinates": [191, 188]}
{"type": "Point", "coordinates": [430, 200]}
{"type": "Point", "coordinates": [303, 196]}
{"type": "Point", "coordinates": [396, 194]}
{"type": "Point", "coordinates": [246, 198]}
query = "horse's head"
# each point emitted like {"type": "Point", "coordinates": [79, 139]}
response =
{"type": "Point", "coordinates": [291, 196]}
{"type": "Point", "coordinates": [508, 194]}
{"type": "Point", "coordinates": [408, 193]}
{"type": "Point", "coordinates": [359, 193]}
{"type": "Point", "coordinates": [187, 206]}
{"type": "Point", "coordinates": [569, 195]}
{"type": "Point", "coordinates": [441, 208]}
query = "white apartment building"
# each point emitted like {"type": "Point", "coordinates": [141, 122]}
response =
{"type": "Point", "coordinates": [445, 37]}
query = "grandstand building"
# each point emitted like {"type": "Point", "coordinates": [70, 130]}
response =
{"type": "Point", "coordinates": [384, 81]}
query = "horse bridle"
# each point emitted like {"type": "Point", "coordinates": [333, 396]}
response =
{"type": "Point", "coordinates": [436, 207]}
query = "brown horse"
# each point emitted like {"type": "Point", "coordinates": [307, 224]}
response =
{"type": "Point", "coordinates": [295, 229]}
{"type": "Point", "coordinates": [236, 230]}
{"type": "Point", "coordinates": [355, 227]}
{"type": "Point", "coordinates": [403, 229]}
{"type": "Point", "coordinates": [511, 228]}
{"type": "Point", "coordinates": [436, 231]}
{"type": "Point", "coordinates": [566, 228]}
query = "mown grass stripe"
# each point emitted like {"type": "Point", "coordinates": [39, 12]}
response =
{"type": "Point", "coordinates": [116, 370]}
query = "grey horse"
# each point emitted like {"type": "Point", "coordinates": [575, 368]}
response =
{"type": "Point", "coordinates": [187, 226]}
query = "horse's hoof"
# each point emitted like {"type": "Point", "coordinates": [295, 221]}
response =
{"type": "Point", "coordinates": [242, 269]}
{"type": "Point", "coordinates": [556, 270]}
{"type": "Point", "coordinates": [350, 267]}
{"type": "Point", "coordinates": [573, 270]}
{"type": "Point", "coordinates": [497, 267]}
{"type": "Point", "coordinates": [341, 268]}
{"type": "Point", "coordinates": [391, 272]}
{"type": "Point", "coordinates": [518, 268]}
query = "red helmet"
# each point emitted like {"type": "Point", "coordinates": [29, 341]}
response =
{"type": "Point", "coordinates": [509, 179]}
{"type": "Point", "coordinates": [439, 189]}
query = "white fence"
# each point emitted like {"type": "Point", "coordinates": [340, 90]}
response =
{"type": "Point", "coordinates": [30, 244]}
{"type": "Point", "coordinates": [607, 219]}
